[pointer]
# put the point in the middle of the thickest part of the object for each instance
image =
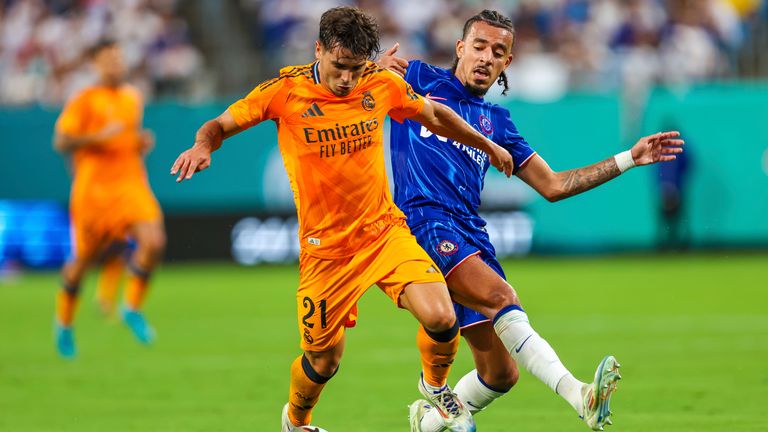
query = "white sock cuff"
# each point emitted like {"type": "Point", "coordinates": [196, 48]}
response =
{"type": "Point", "coordinates": [510, 315]}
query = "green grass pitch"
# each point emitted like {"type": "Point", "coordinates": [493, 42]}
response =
{"type": "Point", "coordinates": [691, 333]}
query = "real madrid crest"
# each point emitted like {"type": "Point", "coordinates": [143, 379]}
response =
{"type": "Point", "coordinates": [369, 103]}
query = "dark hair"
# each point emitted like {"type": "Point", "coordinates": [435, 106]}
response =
{"type": "Point", "coordinates": [351, 29]}
{"type": "Point", "coordinates": [100, 46]}
{"type": "Point", "coordinates": [497, 20]}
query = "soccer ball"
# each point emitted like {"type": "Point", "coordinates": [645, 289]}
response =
{"type": "Point", "coordinates": [311, 429]}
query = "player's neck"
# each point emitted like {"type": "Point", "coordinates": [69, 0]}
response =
{"type": "Point", "coordinates": [463, 80]}
{"type": "Point", "coordinates": [110, 83]}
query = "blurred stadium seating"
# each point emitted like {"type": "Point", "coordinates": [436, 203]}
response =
{"type": "Point", "coordinates": [603, 72]}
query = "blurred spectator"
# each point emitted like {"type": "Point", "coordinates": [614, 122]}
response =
{"type": "Point", "coordinates": [43, 42]}
{"type": "Point", "coordinates": [602, 45]}
{"type": "Point", "coordinates": [560, 44]}
{"type": "Point", "coordinates": [672, 182]}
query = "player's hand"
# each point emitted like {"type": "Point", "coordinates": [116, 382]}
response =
{"type": "Point", "coordinates": [108, 132]}
{"type": "Point", "coordinates": [501, 159]}
{"type": "Point", "coordinates": [659, 147]}
{"type": "Point", "coordinates": [389, 61]}
{"type": "Point", "coordinates": [147, 138]}
{"type": "Point", "coordinates": [191, 161]}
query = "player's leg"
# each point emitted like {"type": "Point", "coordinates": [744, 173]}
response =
{"type": "Point", "coordinates": [309, 374]}
{"type": "Point", "coordinates": [476, 285]}
{"type": "Point", "coordinates": [326, 301]}
{"type": "Point", "coordinates": [438, 335]}
{"type": "Point", "coordinates": [85, 249]}
{"type": "Point", "coordinates": [417, 285]}
{"type": "Point", "coordinates": [150, 244]}
{"type": "Point", "coordinates": [110, 276]}
{"type": "Point", "coordinates": [495, 373]}
{"type": "Point", "coordinates": [438, 343]}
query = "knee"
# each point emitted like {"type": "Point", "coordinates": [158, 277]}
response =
{"type": "Point", "coordinates": [152, 245]}
{"type": "Point", "coordinates": [501, 297]}
{"type": "Point", "coordinates": [156, 243]}
{"type": "Point", "coordinates": [320, 366]}
{"type": "Point", "coordinates": [440, 321]}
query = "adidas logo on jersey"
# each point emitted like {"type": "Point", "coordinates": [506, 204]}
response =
{"type": "Point", "coordinates": [313, 111]}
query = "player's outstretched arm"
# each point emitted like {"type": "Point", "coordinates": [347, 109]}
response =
{"type": "Point", "coordinates": [554, 186]}
{"type": "Point", "coordinates": [207, 140]}
{"type": "Point", "coordinates": [441, 120]}
{"type": "Point", "coordinates": [63, 142]}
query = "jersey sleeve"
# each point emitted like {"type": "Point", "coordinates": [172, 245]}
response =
{"type": "Point", "coordinates": [515, 144]}
{"type": "Point", "coordinates": [71, 119]}
{"type": "Point", "coordinates": [412, 74]}
{"type": "Point", "coordinates": [404, 101]}
{"type": "Point", "coordinates": [259, 105]}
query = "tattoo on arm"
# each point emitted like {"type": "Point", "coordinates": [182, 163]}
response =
{"type": "Point", "coordinates": [578, 180]}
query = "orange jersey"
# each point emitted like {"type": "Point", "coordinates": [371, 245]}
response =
{"type": "Point", "coordinates": [110, 188]}
{"type": "Point", "coordinates": [332, 148]}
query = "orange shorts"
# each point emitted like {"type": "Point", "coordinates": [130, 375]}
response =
{"type": "Point", "coordinates": [98, 222]}
{"type": "Point", "coordinates": [330, 288]}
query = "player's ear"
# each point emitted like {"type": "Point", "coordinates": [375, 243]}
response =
{"type": "Point", "coordinates": [508, 60]}
{"type": "Point", "coordinates": [459, 48]}
{"type": "Point", "coordinates": [318, 49]}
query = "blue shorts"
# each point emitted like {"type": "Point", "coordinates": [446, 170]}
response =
{"type": "Point", "coordinates": [449, 244]}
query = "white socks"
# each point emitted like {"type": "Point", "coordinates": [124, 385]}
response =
{"type": "Point", "coordinates": [535, 355]}
{"type": "Point", "coordinates": [531, 352]}
{"type": "Point", "coordinates": [473, 393]}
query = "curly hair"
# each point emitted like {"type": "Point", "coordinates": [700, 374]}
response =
{"type": "Point", "coordinates": [495, 19]}
{"type": "Point", "coordinates": [351, 29]}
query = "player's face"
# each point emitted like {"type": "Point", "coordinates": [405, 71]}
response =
{"type": "Point", "coordinates": [339, 70]}
{"type": "Point", "coordinates": [483, 56]}
{"type": "Point", "coordinates": [109, 64]}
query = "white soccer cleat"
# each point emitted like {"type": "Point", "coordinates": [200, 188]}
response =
{"type": "Point", "coordinates": [597, 395]}
{"type": "Point", "coordinates": [416, 412]}
{"type": "Point", "coordinates": [287, 426]}
{"type": "Point", "coordinates": [456, 416]}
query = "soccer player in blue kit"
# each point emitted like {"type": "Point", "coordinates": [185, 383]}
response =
{"type": "Point", "coordinates": [438, 184]}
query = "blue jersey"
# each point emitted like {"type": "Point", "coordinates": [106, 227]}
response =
{"type": "Point", "coordinates": [435, 177]}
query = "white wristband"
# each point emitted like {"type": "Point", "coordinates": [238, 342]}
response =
{"type": "Point", "coordinates": [624, 160]}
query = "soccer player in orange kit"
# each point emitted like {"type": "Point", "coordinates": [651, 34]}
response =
{"type": "Point", "coordinates": [330, 116]}
{"type": "Point", "coordinates": [101, 130]}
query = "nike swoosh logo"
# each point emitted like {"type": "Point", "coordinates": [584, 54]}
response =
{"type": "Point", "coordinates": [517, 350]}
{"type": "Point", "coordinates": [429, 96]}
{"type": "Point", "coordinates": [472, 405]}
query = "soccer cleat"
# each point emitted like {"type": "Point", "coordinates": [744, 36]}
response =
{"type": "Point", "coordinates": [416, 412]}
{"type": "Point", "coordinates": [65, 341]}
{"type": "Point", "coordinates": [597, 395]}
{"type": "Point", "coordinates": [456, 416]}
{"type": "Point", "coordinates": [138, 324]}
{"type": "Point", "coordinates": [287, 426]}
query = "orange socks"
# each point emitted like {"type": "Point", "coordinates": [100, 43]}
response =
{"type": "Point", "coordinates": [306, 385]}
{"type": "Point", "coordinates": [437, 353]}
{"type": "Point", "coordinates": [136, 290]}
{"type": "Point", "coordinates": [66, 304]}
{"type": "Point", "coordinates": [109, 282]}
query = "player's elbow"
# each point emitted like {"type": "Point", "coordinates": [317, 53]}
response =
{"type": "Point", "coordinates": [59, 143]}
{"type": "Point", "coordinates": [553, 194]}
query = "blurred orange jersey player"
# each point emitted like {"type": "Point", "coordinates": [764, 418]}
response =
{"type": "Point", "coordinates": [101, 130]}
{"type": "Point", "coordinates": [330, 117]}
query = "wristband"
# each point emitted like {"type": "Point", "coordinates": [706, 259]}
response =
{"type": "Point", "coordinates": [624, 160]}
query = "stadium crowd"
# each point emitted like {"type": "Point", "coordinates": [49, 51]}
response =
{"type": "Point", "coordinates": [43, 44]}
{"type": "Point", "coordinates": [561, 44]}
{"type": "Point", "coordinates": [593, 44]}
